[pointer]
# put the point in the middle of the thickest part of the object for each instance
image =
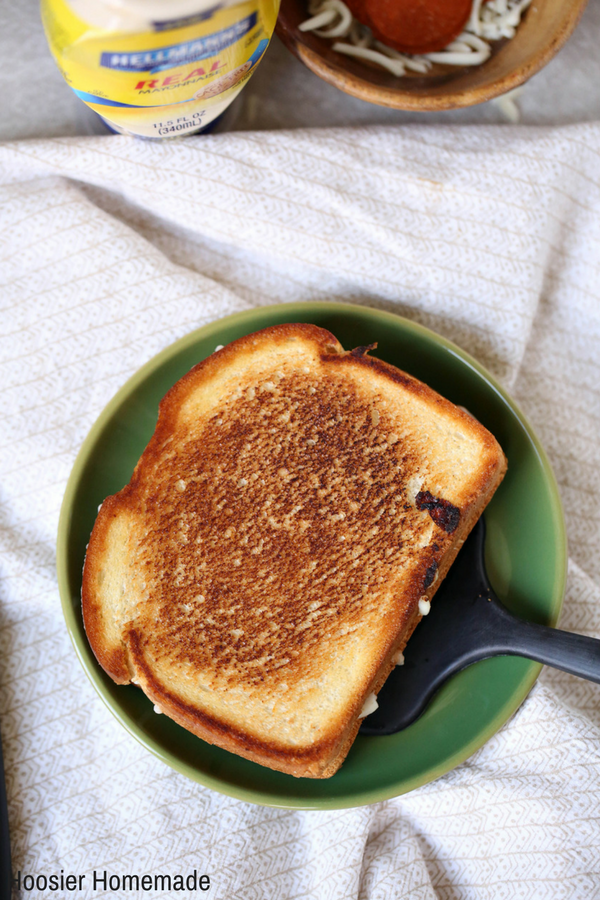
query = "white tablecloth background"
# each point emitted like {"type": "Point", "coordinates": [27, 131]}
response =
{"type": "Point", "coordinates": [110, 249]}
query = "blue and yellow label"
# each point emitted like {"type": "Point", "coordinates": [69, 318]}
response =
{"type": "Point", "coordinates": [195, 67]}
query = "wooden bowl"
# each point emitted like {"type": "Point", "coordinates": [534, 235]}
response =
{"type": "Point", "coordinates": [545, 27]}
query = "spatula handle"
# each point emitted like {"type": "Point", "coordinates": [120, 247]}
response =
{"type": "Point", "coordinates": [574, 653]}
{"type": "Point", "coordinates": [468, 623]}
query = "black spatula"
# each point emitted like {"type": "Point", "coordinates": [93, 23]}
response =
{"type": "Point", "coordinates": [468, 623]}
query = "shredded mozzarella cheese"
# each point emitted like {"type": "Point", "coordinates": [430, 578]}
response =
{"type": "Point", "coordinates": [489, 21]}
{"type": "Point", "coordinates": [392, 65]}
{"type": "Point", "coordinates": [335, 9]}
{"type": "Point", "coordinates": [508, 106]}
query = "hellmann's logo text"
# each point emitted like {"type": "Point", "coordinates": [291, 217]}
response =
{"type": "Point", "coordinates": [101, 881]}
{"type": "Point", "coordinates": [178, 54]}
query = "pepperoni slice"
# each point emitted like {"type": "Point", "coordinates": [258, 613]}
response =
{"type": "Point", "coordinates": [413, 26]}
{"type": "Point", "coordinates": [357, 8]}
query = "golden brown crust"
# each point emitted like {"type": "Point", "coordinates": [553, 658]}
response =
{"type": "Point", "coordinates": [306, 761]}
{"type": "Point", "coordinates": [112, 658]}
{"type": "Point", "coordinates": [276, 520]}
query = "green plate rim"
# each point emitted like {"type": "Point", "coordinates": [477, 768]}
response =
{"type": "Point", "coordinates": [356, 798]}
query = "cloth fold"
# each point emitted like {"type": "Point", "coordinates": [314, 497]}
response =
{"type": "Point", "coordinates": [112, 248]}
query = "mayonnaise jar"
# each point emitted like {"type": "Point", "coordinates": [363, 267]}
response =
{"type": "Point", "coordinates": [158, 68]}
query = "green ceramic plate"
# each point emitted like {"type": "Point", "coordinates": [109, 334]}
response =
{"type": "Point", "coordinates": [525, 551]}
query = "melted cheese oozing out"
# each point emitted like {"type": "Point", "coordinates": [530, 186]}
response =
{"type": "Point", "coordinates": [424, 606]}
{"type": "Point", "coordinates": [369, 706]}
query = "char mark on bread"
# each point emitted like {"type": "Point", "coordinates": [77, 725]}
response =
{"type": "Point", "coordinates": [443, 513]}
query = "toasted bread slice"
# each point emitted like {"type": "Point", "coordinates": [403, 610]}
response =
{"type": "Point", "coordinates": [263, 568]}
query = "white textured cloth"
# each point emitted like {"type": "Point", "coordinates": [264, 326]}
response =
{"type": "Point", "coordinates": [110, 249]}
